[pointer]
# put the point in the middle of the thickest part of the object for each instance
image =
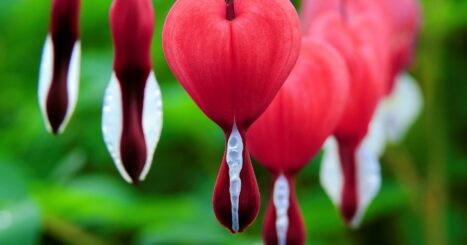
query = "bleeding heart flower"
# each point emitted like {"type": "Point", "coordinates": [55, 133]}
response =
{"type": "Point", "coordinates": [292, 130]}
{"type": "Point", "coordinates": [354, 40]}
{"type": "Point", "coordinates": [59, 71]}
{"type": "Point", "coordinates": [132, 112]}
{"type": "Point", "coordinates": [232, 58]}
{"type": "Point", "coordinates": [403, 20]}
{"type": "Point", "coordinates": [395, 114]}
{"type": "Point", "coordinates": [385, 31]}
{"type": "Point", "coordinates": [400, 18]}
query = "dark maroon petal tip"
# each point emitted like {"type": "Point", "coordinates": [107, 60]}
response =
{"type": "Point", "coordinates": [249, 202]}
{"type": "Point", "coordinates": [349, 203]}
{"type": "Point", "coordinates": [296, 233]}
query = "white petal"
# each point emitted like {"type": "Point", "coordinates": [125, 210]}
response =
{"type": "Point", "coordinates": [368, 177]}
{"type": "Point", "coordinates": [234, 159]}
{"type": "Point", "coordinates": [375, 139]}
{"type": "Point", "coordinates": [281, 196]}
{"type": "Point", "coordinates": [402, 107]}
{"type": "Point", "coordinates": [72, 84]}
{"type": "Point", "coordinates": [331, 173]}
{"type": "Point", "coordinates": [152, 120]}
{"type": "Point", "coordinates": [45, 78]}
{"type": "Point", "coordinates": [112, 124]}
{"type": "Point", "coordinates": [368, 173]}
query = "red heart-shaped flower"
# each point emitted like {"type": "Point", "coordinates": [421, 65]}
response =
{"type": "Point", "coordinates": [305, 112]}
{"type": "Point", "coordinates": [292, 130]}
{"type": "Point", "coordinates": [232, 58]}
{"type": "Point", "coordinates": [359, 40]}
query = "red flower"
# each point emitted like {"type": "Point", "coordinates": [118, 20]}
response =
{"type": "Point", "coordinates": [383, 34]}
{"type": "Point", "coordinates": [400, 18]}
{"type": "Point", "coordinates": [132, 113]}
{"type": "Point", "coordinates": [59, 72]}
{"type": "Point", "coordinates": [358, 39]}
{"type": "Point", "coordinates": [292, 130]}
{"type": "Point", "coordinates": [232, 58]}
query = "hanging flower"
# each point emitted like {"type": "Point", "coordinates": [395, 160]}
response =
{"type": "Point", "coordinates": [132, 112]}
{"type": "Point", "coordinates": [386, 32]}
{"type": "Point", "coordinates": [292, 130]}
{"type": "Point", "coordinates": [60, 66]}
{"type": "Point", "coordinates": [356, 38]}
{"type": "Point", "coordinates": [393, 117]}
{"type": "Point", "coordinates": [232, 57]}
{"type": "Point", "coordinates": [399, 18]}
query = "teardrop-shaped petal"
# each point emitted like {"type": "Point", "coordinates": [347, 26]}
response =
{"type": "Point", "coordinates": [60, 66]}
{"type": "Point", "coordinates": [283, 222]}
{"type": "Point", "coordinates": [132, 112]}
{"type": "Point", "coordinates": [330, 172]}
{"type": "Point", "coordinates": [236, 198]}
{"type": "Point", "coordinates": [369, 176]}
{"type": "Point", "coordinates": [112, 123]}
{"type": "Point", "coordinates": [352, 178]}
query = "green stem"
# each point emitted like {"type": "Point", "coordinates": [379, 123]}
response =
{"type": "Point", "coordinates": [67, 232]}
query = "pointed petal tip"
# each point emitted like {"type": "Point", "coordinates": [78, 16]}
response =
{"type": "Point", "coordinates": [354, 221]}
{"type": "Point", "coordinates": [112, 130]}
{"type": "Point", "coordinates": [55, 131]}
{"type": "Point", "coordinates": [249, 199]}
{"type": "Point", "coordinates": [55, 114]}
{"type": "Point", "coordinates": [135, 181]}
{"type": "Point", "coordinates": [55, 127]}
{"type": "Point", "coordinates": [348, 212]}
{"type": "Point", "coordinates": [354, 224]}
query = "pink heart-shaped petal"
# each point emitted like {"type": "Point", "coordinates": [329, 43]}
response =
{"type": "Point", "coordinates": [232, 57]}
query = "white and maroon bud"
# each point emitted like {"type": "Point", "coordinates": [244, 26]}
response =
{"type": "Point", "coordinates": [132, 111]}
{"type": "Point", "coordinates": [60, 66]}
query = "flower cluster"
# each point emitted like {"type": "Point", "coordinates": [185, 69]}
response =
{"type": "Point", "coordinates": [280, 85]}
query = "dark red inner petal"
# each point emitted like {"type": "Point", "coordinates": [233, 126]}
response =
{"type": "Point", "coordinates": [64, 32]}
{"type": "Point", "coordinates": [57, 98]}
{"type": "Point", "coordinates": [296, 233]}
{"type": "Point", "coordinates": [349, 203]}
{"type": "Point", "coordinates": [132, 142]}
{"type": "Point", "coordinates": [249, 202]}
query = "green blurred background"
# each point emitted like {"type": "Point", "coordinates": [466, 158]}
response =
{"type": "Point", "coordinates": [65, 189]}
